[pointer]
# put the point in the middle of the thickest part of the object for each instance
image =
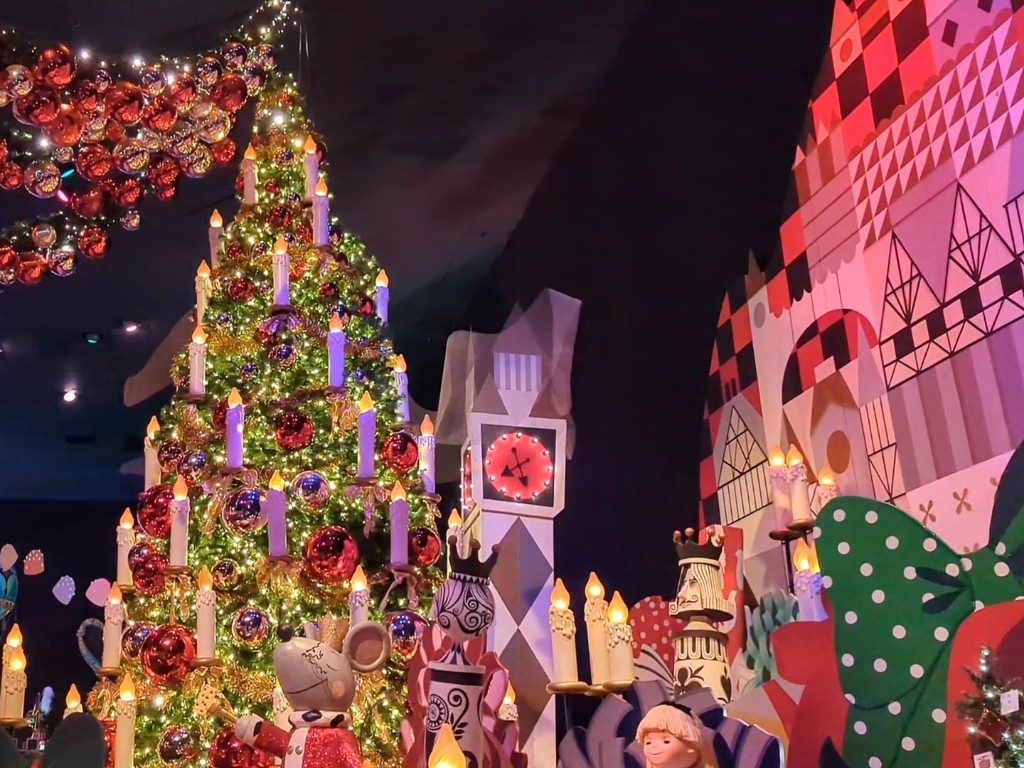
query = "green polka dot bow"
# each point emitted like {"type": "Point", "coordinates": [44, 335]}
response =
{"type": "Point", "coordinates": [899, 594]}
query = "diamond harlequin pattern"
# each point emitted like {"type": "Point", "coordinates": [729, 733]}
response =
{"type": "Point", "coordinates": [529, 680]}
{"type": "Point", "coordinates": [521, 572]}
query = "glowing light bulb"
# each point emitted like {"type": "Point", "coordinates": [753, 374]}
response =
{"type": "Point", "coordinates": [18, 661]}
{"type": "Point", "coordinates": [205, 579]}
{"type": "Point", "coordinates": [114, 596]}
{"type": "Point", "coordinates": [127, 689]}
{"type": "Point", "coordinates": [510, 695]}
{"type": "Point", "coordinates": [560, 596]}
{"type": "Point", "coordinates": [216, 220]}
{"type": "Point", "coordinates": [398, 492]}
{"type": "Point", "coordinates": [203, 270]}
{"type": "Point", "coordinates": [776, 457]}
{"type": "Point", "coordinates": [180, 489]}
{"type": "Point", "coordinates": [152, 428]}
{"type": "Point", "coordinates": [74, 698]}
{"type": "Point", "coordinates": [794, 457]}
{"type": "Point", "coordinates": [199, 335]}
{"type": "Point", "coordinates": [399, 364]}
{"type": "Point", "coordinates": [320, 189]}
{"type": "Point", "coordinates": [365, 403]}
{"type": "Point", "coordinates": [446, 752]}
{"type": "Point", "coordinates": [426, 426]}
{"type": "Point", "coordinates": [281, 246]}
{"type": "Point", "coordinates": [70, 395]}
{"type": "Point", "coordinates": [618, 613]}
{"type": "Point", "coordinates": [309, 147]}
{"type": "Point", "coordinates": [127, 521]}
{"type": "Point", "coordinates": [14, 638]}
{"type": "Point", "coordinates": [805, 558]}
{"type": "Point", "coordinates": [382, 279]}
{"type": "Point", "coordinates": [250, 153]}
{"type": "Point", "coordinates": [337, 325]}
{"type": "Point", "coordinates": [358, 580]}
{"type": "Point", "coordinates": [595, 589]}
{"type": "Point", "coordinates": [826, 476]}
{"type": "Point", "coordinates": [455, 519]}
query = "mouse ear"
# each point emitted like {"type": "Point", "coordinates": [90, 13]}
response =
{"type": "Point", "coordinates": [367, 646]}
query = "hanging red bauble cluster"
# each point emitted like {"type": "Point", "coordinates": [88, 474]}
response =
{"type": "Point", "coordinates": [154, 510]}
{"type": "Point", "coordinates": [228, 751]}
{"type": "Point", "coordinates": [166, 654]}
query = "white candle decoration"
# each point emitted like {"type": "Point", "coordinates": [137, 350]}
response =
{"type": "Point", "coordinates": [234, 436]}
{"type": "Point", "coordinates": [827, 488]}
{"type": "Point", "coordinates": [311, 166]}
{"type": "Point", "coordinates": [14, 683]}
{"type": "Point", "coordinates": [282, 268]}
{"type": "Point", "coordinates": [799, 499]}
{"type": "Point", "coordinates": [595, 614]}
{"type": "Point", "coordinates": [336, 343]}
{"type": "Point", "coordinates": [73, 701]}
{"type": "Point", "coordinates": [113, 628]}
{"type": "Point", "coordinates": [216, 229]}
{"type": "Point", "coordinates": [197, 364]}
{"type": "Point", "coordinates": [124, 735]}
{"type": "Point", "coordinates": [206, 616]}
{"type": "Point", "coordinates": [358, 599]}
{"type": "Point", "coordinates": [277, 519]}
{"type": "Point", "coordinates": [508, 711]}
{"type": "Point", "coordinates": [563, 636]}
{"type": "Point", "coordinates": [11, 644]}
{"type": "Point", "coordinates": [399, 522]}
{"type": "Point", "coordinates": [321, 213]}
{"type": "Point", "coordinates": [125, 541]}
{"type": "Point", "coordinates": [203, 290]}
{"type": "Point", "coordinates": [402, 386]}
{"type": "Point", "coordinates": [180, 508]}
{"type": "Point", "coordinates": [367, 425]}
{"type": "Point", "coordinates": [383, 295]}
{"type": "Point", "coordinates": [427, 444]}
{"type": "Point", "coordinates": [249, 176]}
{"type": "Point", "coordinates": [778, 473]}
{"type": "Point", "coordinates": [151, 462]}
{"type": "Point", "coordinates": [620, 642]}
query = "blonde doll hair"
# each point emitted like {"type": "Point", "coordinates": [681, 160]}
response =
{"type": "Point", "coordinates": [685, 727]}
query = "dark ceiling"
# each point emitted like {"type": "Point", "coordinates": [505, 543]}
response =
{"type": "Point", "coordinates": [440, 118]}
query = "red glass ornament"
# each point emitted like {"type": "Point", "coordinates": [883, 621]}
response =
{"type": "Point", "coordinates": [148, 574]}
{"type": "Point", "coordinates": [235, 250]}
{"type": "Point", "coordinates": [139, 552]}
{"type": "Point", "coordinates": [228, 751]}
{"type": "Point", "coordinates": [32, 268]}
{"type": "Point", "coordinates": [331, 555]}
{"type": "Point", "coordinates": [220, 415]}
{"type": "Point", "coordinates": [67, 129]}
{"type": "Point", "coordinates": [293, 431]}
{"type": "Point", "coordinates": [38, 107]}
{"type": "Point", "coordinates": [286, 100]}
{"type": "Point", "coordinates": [280, 217]}
{"type": "Point", "coordinates": [366, 306]}
{"type": "Point", "coordinates": [239, 183]}
{"type": "Point", "coordinates": [94, 162]}
{"type": "Point", "coordinates": [10, 175]}
{"type": "Point", "coordinates": [303, 233]}
{"type": "Point", "coordinates": [169, 454]}
{"type": "Point", "coordinates": [183, 90]}
{"type": "Point", "coordinates": [296, 270]}
{"type": "Point", "coordinates": [126, 192]}
{"type": "Point", "coordinates": [271, 187]}
{"type": "Point", "coordinates": [113, 131]}
{"type": "Point", "coordinates": [166, 193]}
{"type": "Point", "coordinates": [328, 290]}
{"type": "Point", "coordinates": [424, 546]}
{"type": "Point", "coordinates": [230, 92]}
{"type": "Point", "coordinates": [223, 151]}
{"type": "Point", "coordinates": [160, 114]}
{"type": "Point", "coordinates": [154, 510]}
{"type": "Point", "coordinates": [92, 242]}
{"type": "Point", "coordinates": [3, 151]}
{"type": "Point", "coordinates": [88, 204]}
{"type": "Point", "coordinates": [241, 289]}
{"type": "Point", "coordinates": [86, 97]}
{"type": "Point", "coordinates": [166, 654]}
{"type": "Point", "coordinates": [56, 66]}
{"type": "Point", "coordinates": [8, 256]}
{"type": "Point", "coordinates": [124, 102]}
{"type": "Point", "coordinates": [399, 452]}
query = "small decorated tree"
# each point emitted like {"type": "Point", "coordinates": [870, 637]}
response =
{"type": "Point", "coordinates": [989, 729]}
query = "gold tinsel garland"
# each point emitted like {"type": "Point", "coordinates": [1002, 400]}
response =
{"type": "Point", "coordinates": [251, 685]}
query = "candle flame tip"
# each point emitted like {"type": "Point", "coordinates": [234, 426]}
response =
{"type": "Point", "coordinates": [216, 220]}
{"type": "Point", "coordinates": [235, 398]}
{"type": "Point", "coordinates": [366, 403]}
{"type": "Point", "coordinates": [276, 481]}
{"type": "Point", "coordinates": [427, 426]}
{"type": "Point", "coordinates": [382, 279]}
{"type": "Point", "coordinates": [180, 489]}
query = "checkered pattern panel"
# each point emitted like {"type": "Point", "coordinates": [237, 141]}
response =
{"type": "Point", "coordinates": [835, 336]}
{"type": "Point", "coordinates": [788, 278]}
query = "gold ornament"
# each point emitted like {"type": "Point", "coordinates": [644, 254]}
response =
{"type": "Point", "coordinates": [279, 576]}
{"type": "Point", "coordinates": [102, 697]}
{"type": "Point", "coordinates": [248, 684]}
{"type": "Point", "coordinates": [228, 344]}
{"type": "Point", "coordinates": [194, 433]}
{"type": "Point", "coordinates": [344, 415]}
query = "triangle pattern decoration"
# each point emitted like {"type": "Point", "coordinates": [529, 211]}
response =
{"type": "Point", "coordinates": [976, 249]}
{"type": "Point", "coordinates": [742, 451]}
{"type": "Point", "coordinates": [907, 296]}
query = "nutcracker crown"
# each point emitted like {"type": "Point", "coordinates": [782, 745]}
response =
{"type": "Point", "coordinates": [690, 551]}
{"type": "Point", "coordinates": [472, 565]}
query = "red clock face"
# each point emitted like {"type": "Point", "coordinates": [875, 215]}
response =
{"type": "Point", "coordinates": [519, 466]}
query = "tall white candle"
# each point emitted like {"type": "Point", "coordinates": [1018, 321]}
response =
{"type": "Point", "coordinates": [234, 437]}
{"type": "Point", "coordinates": [595, 614]}
{"type": "Point", "coordinates": [73, 701]}
{"type": "Point", "coordinates": [620, 642]}
{"type": "Point", "coordinates": [311, 166]}
{"type": "Point", "coordinates": [282, 267]}
{"type": "Point", "coordinates": [113, 628]}
{"type": "Point", "coordinates": [778, 473]}
{"type": "Point", "coordinates": [15, 681]}
{"type": "Point", "coordinates": [203, 290]}
{"type": "Point", "coordinates": [124, 735]}
{"type": "Point", "coordinates": [336, 342]}
{"type": "Point", "coordinates": [151, 462]}
{"type": "Point", "coordinates": [125, 541]}
{"type": "Point", "coordinates": [399, 521]}
{"type": "Point", "coordinates": [367, 425]}
{"type": "Point", "coordinates": [321, 213]}
{"type": "Point", "coordinates": [563, 636]}
{"type": "Point", "coordinates": [358, 599]}
{"type": "Point", "coordinates": [427, 444]}
{"type": "Point", "coordinates": [827, 488]}
{"type": "Point", "coordinates": [180, 509]}
{"type": "Point", "coordinates": [277, 519]}
{"type": "Point", "coordinates": [402, 386]}
{"type": "Point", "coordinates": [216, 230]}
{"type": "Point", "coordinates": [197, 363]}
{"type": "Point", "coordinates": [206, 616]}
{"type": "Point", "coordinates": [807, 583]}
{"type": "Point", "coordinates": [249, 176]}
{"type": "Point", "coordinates": [11, 644]}
{"type": "Point", "coordinates": [799, 499]}
{"type": "Point", "coordinates": [383, 296]}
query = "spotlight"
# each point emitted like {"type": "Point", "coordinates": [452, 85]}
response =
{"type": "Point", "coordinates": [70, 395]}
{"type": "Point", "coordinates": [84, 55]}
{"type": "Point", "coordinates": [92, 337]}
{"type": "Point", "coordinates": [130, 327]}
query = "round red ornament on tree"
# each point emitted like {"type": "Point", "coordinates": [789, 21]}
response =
{"type": "Point", "coordinates": [32, 268]}
{"type": "Point", "coordinates": [399, 452]}
{"type": "Point", "coordinates": [67, 129]}
{"type": "Point", "coordinates": [39, 107]}
{"type": "Point", "coordinates": [160, 114]}
{"type": "Point", "coordinates": [10, 175]}
{"type": "Point", "coordinates": [139, 552]}
{"type": "Point", "coordinates": [228, 751]}
{"type": "Point", "coordinates": [424, 546]}
{"type": "Point", "coordinates": [148, 574]}
{"type": "Point", "coordinates": [124, 101]}
{"type": "Point", "coordinates": [56, 66]}
{"type": "Point", "coordinates": [94, 162]}
{"type": "Point", "coordinates": [293, 431]}
{"type": "Point", "coordinates": [126, 192]}
{"type": "Point", "coordinates": [154, 511]}
{"type": "Point", "coordinates": [8, 256]}
{"type": "Point", "coordinates": [241, 289]}
{"type": "Point", "coordinates": [166, 654]}
{"type": "Point", "coordinates": [86, 97]}
{"type": "Point", "coordinates": [88, 204]}
{"type": "Point", "coordinates": [230, 92]}
{"type": "Point", "coordinates": [331, 555]}
{"type": "Point", "coordinates": [92, 242]}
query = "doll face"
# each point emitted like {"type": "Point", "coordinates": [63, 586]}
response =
{"type": "Point", "coordinates": [663, 750]}
{"type": "Point", "coordinates": [689, 592]}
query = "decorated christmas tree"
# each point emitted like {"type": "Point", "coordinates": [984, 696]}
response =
{"type": "Point", "coordinates": [285, 490]}
{"type": "Point", "coordinates": [995, 722]}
